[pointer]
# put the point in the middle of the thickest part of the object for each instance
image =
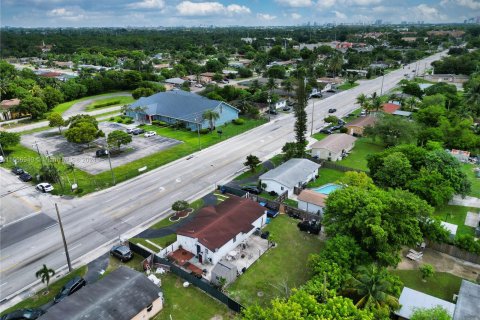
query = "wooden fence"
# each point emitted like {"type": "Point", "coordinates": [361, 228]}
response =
{"type": "Point", "coordinates": [454, 251]}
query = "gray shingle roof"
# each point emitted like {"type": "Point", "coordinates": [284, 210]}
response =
{"type": "Point", "coordinates": [178, 104]}
{"type": "Point", "coordinates": [335, 142]}
{"type": "Point", "coordinates": [120, 295]}
{"type": "Point", "coordinates": [412, 299]}
{"type": "Point", "coordinates": [291, 172]}
{"type": "Point", "coordinates": [468, 302]}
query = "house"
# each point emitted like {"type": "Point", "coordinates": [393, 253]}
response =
{"type": "Point", "coordinates": [181, 107]}
{"type": "Point", "coordinates": [401, 113]}
{"type": "Point", "coordinates": [287, 176]}
{"type": "Point", "coordinates": [311, 201]}
{"type": "Point", "coordinates": [217, 230]}
{"type": "Point", "coordinates": [226, 270]}
{"type": "Point", "coordinates": [467, 301]}
{"type": "Point", "coordinates": [176, 82]}
{"type": "Point", "coordinates": [452, 78]}
{"type": "Point", "coordinates": [412, 299]}
{"type": "Point", "coordinates": [460, 155]}
{"type": "Point", "coordinates": [333, 147]}
{"type": "Point", "coordinates": [390, 107]}
{"type": "Point", "coordinates": [6, 109]}
{"type": "Point", "coordinates": [123, 294]}
{"type": "Point", "coordinates": [356, 127]}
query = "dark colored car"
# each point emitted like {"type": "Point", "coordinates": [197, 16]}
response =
{"type": "Point", "coordinates": [331, 90]}
{"type": "Point", "coordinates": [121, 252]}
{"type": "Point", "coordinates": [273, 111]}
{"type": "Point", "coordinates": [332, 110]}
{"type": "Point", "coordinates": [341, 122]}
{"type": "Point", "coordinates": [101, 153]}
{"type": "Point", "coordinates": [25, 176]}
{"type": "Point", "coordinates": [23, 314]}
{"type": "Point", "coordinates": [18, 171]}
{"type": "Point", "coordinates": [326, 130]}
{"type": "Point", "coordinates": [252, 189]}
{"type": "Point", "coordinates": [286, 108]}
{"type": "Point", "coordinates": [336, 127]}
{"type": "Point", "coordinates": [69, 288]}
{"type": "Point", "coordinates": [265, 235]}
{"type": "Point", "coordinates": [138, 131]}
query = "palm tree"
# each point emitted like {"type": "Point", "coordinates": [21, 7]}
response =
{"type": "Point", "coordinates": [362, 100]}
{"type": "Point", "coordinates": [45, 273]}
{"type": "Point", "coordinates": [336, 63]}
{"type": "Point", "coordinates": [288, 85]}
{"type": "Point", "coordinates": [271, 84]}
{"type": "Point", "coordinates": [211, 116]}
{"type": "Point", "coordinates": [410, 103]}
{"type": "Point", "coordinates": [376, 103]}
{"type": "Point", "coordinates": [372, 287]}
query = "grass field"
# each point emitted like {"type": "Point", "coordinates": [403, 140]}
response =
{"type": "Point", "coordinates": [442, 285]}
{"type": "Point", "coordinates": [162, 242]}
{"type": "Point", "coordinates": [62, 107]}
{"type": "Point", "coordinates": [347, 86]}
{"type": "Point", "coordinates": [357, 159]}
{"type": "Point", "coordinates": [40, 298]}
{"type": "Point", "coordinates": [283, 265]}
{"type": "Point", "coordinates": [109, 102]}
{"type": "Point", "coordinates": [319, 136]}
{"type": "Point", "coordinates": [188, 303]}
{"type": "Point", "coordinates": [468, 169]}
{"type": "Point", "coordinates": [326, 176]}
{"type": "Point", "coordinates": [456, 215]}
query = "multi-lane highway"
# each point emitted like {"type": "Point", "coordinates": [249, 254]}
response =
{"type": "Point", "coordinates": [92, 222]}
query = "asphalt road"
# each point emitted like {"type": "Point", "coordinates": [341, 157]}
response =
{"type": "Point", "coordinates": [93, 222]}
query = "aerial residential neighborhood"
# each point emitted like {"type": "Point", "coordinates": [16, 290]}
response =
{"type": "Point", "coordinates": [255, 160]}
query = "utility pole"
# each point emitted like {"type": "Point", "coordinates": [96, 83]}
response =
{"type": "Point", "coordinates": [198, 133]}
{"type": "Point", "coordinates": [269, 107]}
{"type": "Point", "coordinates": [110, 163]}
{"type": "Point", "coordinates": [383, 77]}
{"type": "Point", "coordinates": [313, 108]}
{"type": "Point", "coordinates": [39, 155]}
{"type": "Point", "coordinates": [63, 238]}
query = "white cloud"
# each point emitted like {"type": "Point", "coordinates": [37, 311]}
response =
{"type": "Point", "coordinates": [340, 15]}
{"type": "Point", "coordinates": [188, 8]}
{"type": "Point", "coordinates": [266, 16]}
{"type": "Point", "coordinates": [425, 12]}
{"type": "Point", "coordinates": [326, 3]}
{"type": "Point", "coordinates": [296, 16]}
{"type": "Point", "coordinates": [364, 2]}
{"type": "Point", "coordinates": [147, 4]}
{"type": "Point", "coordinates": [295, 3]}
{"type": "Point", "coordinates": [61, 12]}
{"type": "Point", "coordinates": [472, 4]}
{"type": "Point", "coordinates": [73, 14]}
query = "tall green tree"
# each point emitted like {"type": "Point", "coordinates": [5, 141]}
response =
{"type": "Point", "coordinates": [300, 117]}
{"type": "Point", "coordinates": [83, 132]}
{"type": "Point", "coordinates": [252, 162]}
{"type": "Point", "coordinates": [45, 274]}
{"type": "Point", "coordinates": [117, 138]}
{"type": "Point", "coordinates": [362, 100]}
{"type": "Point", "coordinates": [9, 139]}
{"type": "Point", "coordinates": [56, 120]}
{"type": "Point", "coordinates": [33, 106]}
{"type": "Point", "coordinates": [392, 130]}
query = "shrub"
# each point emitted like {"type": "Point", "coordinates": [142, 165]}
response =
{"type": "Point", "coordinates": [238, 121]}
{"type": "Point", "coordinates": [129, 121]}
{"type": "Point", "coordinates": [467, 242]}
{"type": "Point", "coordinates": [112, 119]}
{"type": "Point", "coordinates": [123, 116]}
{"type": "Point", "coordinates": [159, 123]}
{"type": "Point", "coordinates": [106, 104]}
{"type": "Point", "coordinates": [204, 131]}
{"type": "Point", "coordinates": [273, 193]}
{"type": "Point", "coordinates": [427, 271]}
{"type": "Point", "coordinates": [343, 130]}
{"type": "Point", "coordinates": [119, 121]}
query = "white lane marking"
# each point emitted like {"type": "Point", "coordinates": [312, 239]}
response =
{"type": "Point", "coordinates": [74, 247]}
{"type": "Point", "coordinates": [178, 180]}
{"type": "Point", "coordinates": [53, 225]}
{"type": "Point", "coordinates": [160, 189]}
{"type": "Point", "coordinates": [3, 284]}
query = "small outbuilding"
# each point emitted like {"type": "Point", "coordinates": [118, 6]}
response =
{"type": "Point", "coordinates": [410, 300]}
{"type": "Point", "coordinates": [468, 302]}
{"type": "Point", "coordinates": [357, 126]}
{"type": "Point", "coordinates": [334, 147]}
{"type": "Point", "coordinates": [311, 201]}
{"type": "Point", "coordinates": [226, 270]}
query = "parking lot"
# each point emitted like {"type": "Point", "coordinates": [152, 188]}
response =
{"type": "Point", "coordinates": [50, 143]}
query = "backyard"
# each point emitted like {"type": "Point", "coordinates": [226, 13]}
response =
{"type": "Point", "coordinates": [357, 158]}
{"type": "Point", "coordinates": [281, 268]}
{"type": "Point", "coordinates": [468, 169]}
{"type": "Point", "coordinates": [456, 215]}
{"type": "Point", "coordinates": [325, 176]}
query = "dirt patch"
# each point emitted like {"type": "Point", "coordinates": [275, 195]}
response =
{"type": "Point", "coordinates": [442, 263]}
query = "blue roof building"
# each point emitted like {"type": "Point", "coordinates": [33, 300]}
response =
{"type": "Point", "coordinates": [176, 106]}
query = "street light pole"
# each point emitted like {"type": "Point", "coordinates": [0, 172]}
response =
{"type": "Point", "coordinates": [39, 155]}
{"type": "Point", "coordinates": [63, 238]}
{"type": "Point", "coordinates": [313, 108]}
{"type": "Point", "coordinates": [110, 163]}
{"type": "Point", "coordinates": [381, 88]}
{"type": "Point", "coordinates": [198, 133]}
{"type": "Point", "coordinates": [269, 107]}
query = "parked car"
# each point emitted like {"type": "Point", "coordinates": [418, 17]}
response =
{"type": "Point", "coordinates": [138, 131]}
{"type": "Point", "coordinates": [23, 314]}
{"type": "Point", "coordinates": [121, 252]}
{"type": "Point", "coordinates": [337, 127]}
{"type": "Point", "coordinates": [272, 111]}
{"type": "Point", "coordinates": [363, 113]}
{"type": "Point", "coordinates": [332, 110]}
{"type": "Point", "coordinates": [341, 122]}
{"type": "Point", "coordinates": [326, 131]}
{"type": "Point", "coordinates": [331, 90]}
{"type": "Point", "coordinates": [150, 134]}
{"type": "Point", "coordinates": [44, 187]}
{"type": "Point", "coordinates": [286, 108]}
{"type": "Point", "coordinates": [69, 288]}
{"type": "Point", "coordinates": [2, 159]}
{"type": "Point", "coordinates": [18, 171]}
{"type": "Point", "coordinates": [101, 153]}
{"type": "Point", "coordinates": [25, 177]}
{"type": "Point", "coordinates": [252, 189]}
{"type": "Point", "coordinates": [225, 81]}
{"type": "Point", "coordinates": [198, 85]}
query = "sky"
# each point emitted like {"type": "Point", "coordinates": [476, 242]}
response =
{"type": "Point", "coordinates": [170, 13]}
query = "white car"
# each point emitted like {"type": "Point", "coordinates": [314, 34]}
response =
{"type": "Point", "coordinates": [150, 134]}
{"type": "Point", "coordinates": [2, 160]}
{"type": "Point", "coordinates": [198, 85]}
{"type": "Point", "coordinates": [44, 187]}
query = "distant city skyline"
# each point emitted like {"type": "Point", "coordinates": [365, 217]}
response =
{"type": "Point", "coordinates": [171, 13]}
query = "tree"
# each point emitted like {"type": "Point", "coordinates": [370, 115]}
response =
{"type": "Point", "coordinates": [472, 95]}
{"type": "Point", "coordinates": [52, 97]}
{"type": "Point", "coordinates": [331, 119]}
{"type": "Point", "coordinates": [9, 139]}
{"type": "Point", "coordinates": [33, 106]}
{"type": "Point", "coordinates": [362, 100]}
{"type": "Point", "coordinates": [300, 117]}
{"type": "Point", "coordinates": [395, 172]}
{"type": "Point", "coordinates": [118, 137]}
{"type": "Point", "coordinates": [252, 162]}
{"type": "Point", "coordinates": [436, 313]}
{"type": "Point", "coordinates": [287, 85]}
{"type": "Point", "coordinates": [271, 84]}
{"type": "Point", "coordinates": [427, 271]}
{"type": "Point", "coordinates": [392, 130]}
{"type": "Point", "coordinates": [142, 92]}
{"type": "Point", "coordinates": [180, 205]}
{"type": "Point", "coordinates": [211, 116]}
{"type": "Point", "coordinates": [83, 132]}
{"type": "Point", "coordinates": [412, 88]}
{"type": "Point", "coordinates": [372, 288]}
{"type": "Point", "coordinates": [45, 274]}
{"type": "Point", "coordinates": [56, 120]}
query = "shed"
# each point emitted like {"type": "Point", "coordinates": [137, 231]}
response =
{"type": "Point", "coordinates": [312, 201]}
{"type": "Point", "coordinates": [412, 299]}
{"type": "Point", "coordinates": [468, 306]}
{"type": "Point", "coordinates": [226, 270]}
{"type": "Point", "coordinates": [333, 147]}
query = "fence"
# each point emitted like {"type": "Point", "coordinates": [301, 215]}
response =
{"type": "Point", "coordinates": [199, 283]}
{"type": "Point", "coordinates": [454, 251]}
{"type": "Point", "coordinates": [333, 165]}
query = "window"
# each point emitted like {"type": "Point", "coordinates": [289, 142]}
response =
{"type": "Point", "coordinates": [234, 238]}
{"type": "Point", "coordinates": [150, 307]}
{"type": "Point", "coordinates": [206, 251]}
{"type": "Point", "coordinates": [281, 188]}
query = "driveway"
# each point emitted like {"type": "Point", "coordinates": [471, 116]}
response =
{"type": "Point", "coordinates": [79, 107]}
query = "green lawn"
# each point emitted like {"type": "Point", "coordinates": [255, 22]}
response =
{"type": "Point", "coordinates": [357, 159]}
{"type": "Point", "coordinates": [162, 242]}
{"type": "Point", "coordinates": [284, 264]}
{"type": "Point", "coordinates": [468, 169]}
{"type": "Point", "coordinates": [442, 285]}
{"type": "Point", "coordinates": [347, 86]}
{"type": "Point", "coordinates": [319, 136]}
{"type": "Point", "coordinates": [326, 176]}
{"type": "Point", "coordinates": [247, 174]}
{"type": "Point", "coordinates": [188, 303]}
{"type": "Point", "coordinates": [456, 215]}
{"type": "Point", "coordinates": [40, 298]}
{"type": "Point", "coordinates": [197, 204]}
{"type": "Point", "coordinates": [109, 102]}
{"type": "Point", "coordinates": [61, 108]}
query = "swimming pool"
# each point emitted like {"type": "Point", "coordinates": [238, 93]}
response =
{"type": "Point", "coordinates": [327, 188]}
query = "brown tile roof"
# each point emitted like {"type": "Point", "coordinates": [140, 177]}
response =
{"type": "Point", "coordinates": [214, 226]}
{"type": "Point", "coordinates": [335, 142]}
{"type": "Point", "coordinates": [7, 104]}
{"type": "Point", "coordinates": [362, 122]}
{"type": "Point", "coordinates": [313, 197]}
{"type": "Point", "coordinates": [390, 107]}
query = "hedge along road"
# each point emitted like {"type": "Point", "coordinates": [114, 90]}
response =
{"type": "Point", "coordinates": [77, 108]}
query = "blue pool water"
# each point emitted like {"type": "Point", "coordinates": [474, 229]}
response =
{"type": "Point", "coordinates": [327, 188]}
